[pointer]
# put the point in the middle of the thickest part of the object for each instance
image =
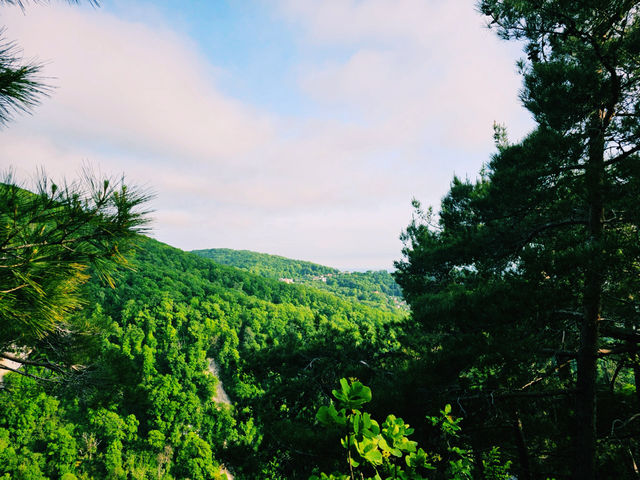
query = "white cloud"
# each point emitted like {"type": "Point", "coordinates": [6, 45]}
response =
{"type": "Point", "coordinates": [420, 71]}
{"type": "Point", "coordinates": [419, 89]}
{"type": "Point", "coordinates": [133, 86]}
{"type": "Point", "coordinates": [374, 21]}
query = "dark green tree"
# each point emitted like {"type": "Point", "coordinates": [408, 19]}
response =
{"type": "Point", "coordinates": [535, 265]}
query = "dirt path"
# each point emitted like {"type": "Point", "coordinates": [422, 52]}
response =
{"type": "Point", "coordinates": [220, 397]}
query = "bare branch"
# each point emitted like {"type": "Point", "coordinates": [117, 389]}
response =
{"type": "Point", "coordinates": [4, 367]}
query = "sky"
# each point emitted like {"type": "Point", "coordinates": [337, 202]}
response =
{"type": "Point", "coordinates": [301, 128]}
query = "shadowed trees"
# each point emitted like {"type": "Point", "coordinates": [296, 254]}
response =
{"type": "Point", "coordinates": [534, 267]}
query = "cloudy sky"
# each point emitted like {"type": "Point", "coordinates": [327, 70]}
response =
{"type": "Point", "coordinates": [301, 128]}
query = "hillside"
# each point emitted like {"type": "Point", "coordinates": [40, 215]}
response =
{"type": "Point", "coordinates": [265, 265]}
{"type": "Point", "coordinates": [374, 288]}
{"type": "Point", "coordinates": [141, 401]}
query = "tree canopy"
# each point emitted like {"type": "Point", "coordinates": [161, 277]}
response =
{"type": "Point", "coordinates": [375, 288]}
{"type": "Point", "coordinates": [528, 276]}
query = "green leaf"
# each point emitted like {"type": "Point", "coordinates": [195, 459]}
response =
{"type": "Point", "coordinates": [352, 396]}
{"type": "Point", "coordinates": [330, 416]}
{"type": "Point", "coordinates": [374, 457]}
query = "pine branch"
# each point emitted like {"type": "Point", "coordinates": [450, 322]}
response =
{"type": "Point", "coordinates": [623, 156]}
{"type": "Point", "coordinates": [21, 87]}
{"type": "Point", "coordinates": [549, 226]}
{"type": "Point", "coordinates": [24, 361]}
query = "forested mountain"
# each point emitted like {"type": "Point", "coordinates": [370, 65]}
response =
{"type": "Point", "coordinates": [263, 264]}
{"type": "Point", "coordinates": [375, 288]}
{"type": "Point", "coordinates": [143, 405]}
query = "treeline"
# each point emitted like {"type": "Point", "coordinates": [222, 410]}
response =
{"type": "Point", "coordinates": [374, 288]}
{"type": "Point", "coordinates": [377, 288]}
{"type": "Point", "coordinates": [265, 265]}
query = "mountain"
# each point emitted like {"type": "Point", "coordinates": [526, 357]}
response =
{"type": "Point", "coordinates": [265, 265]}
{"type": "Point", "coordinates": [374, 288]}
{"type": "Point", "coordinates": [143, 400]}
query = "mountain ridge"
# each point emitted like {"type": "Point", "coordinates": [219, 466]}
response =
{"type": "Point", "coordinates": [374, 288]}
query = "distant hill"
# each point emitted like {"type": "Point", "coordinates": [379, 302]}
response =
{"type": "Point", "coordinates": [374, 288]}
{"type": "Point", "coordinates": [265, 265]}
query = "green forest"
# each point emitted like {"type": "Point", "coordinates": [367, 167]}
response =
{"type": "Point", "coordinates": [374, 288]}
{"type": "Point", "coordinates": [505, 345]}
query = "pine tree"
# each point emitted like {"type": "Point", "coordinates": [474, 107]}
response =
{"type": "Point", "coordinates": [552, 226]}
{"type": "Point", "coordinates": [51, 240]}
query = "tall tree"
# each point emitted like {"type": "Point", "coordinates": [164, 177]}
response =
{"type": "Point", "coordinates": [554, 220]}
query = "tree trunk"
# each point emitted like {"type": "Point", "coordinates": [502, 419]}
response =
{"type": "Point", "coordinates": [521, 445]}
{"type": "Point", "coordinates": [586, 435]}
{"type": "Point", "coordinates": [586, 386]}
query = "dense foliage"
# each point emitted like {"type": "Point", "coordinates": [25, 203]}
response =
{"type": "Point", "coordinates": [265, 265]}
{"type": "Point", "coordinates": [145, 404]}
{"type": "Point", "coordinates": [375, 288]}
{"type": "Point", "coordinates": [523, 291]}
{"type": "Point", "coordinates": [527, 280]}
{"type": "Point", "coordinates": [383, 451]}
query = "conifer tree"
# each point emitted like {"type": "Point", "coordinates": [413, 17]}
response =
{"type": "Point", "coordinates": [51, 240]}
{"type": "Point", "coordinates": [549, 233]}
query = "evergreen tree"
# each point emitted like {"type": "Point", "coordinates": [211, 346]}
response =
{"type": "Point", "coordinates": [541, 254]}
{"type": "Point", "coordinates": [50, 241]}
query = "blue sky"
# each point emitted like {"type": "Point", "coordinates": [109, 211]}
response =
{"type": "Point", "coordinates": [243, 39]}
{"type": "Point", "coordinates": [296, 127]}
